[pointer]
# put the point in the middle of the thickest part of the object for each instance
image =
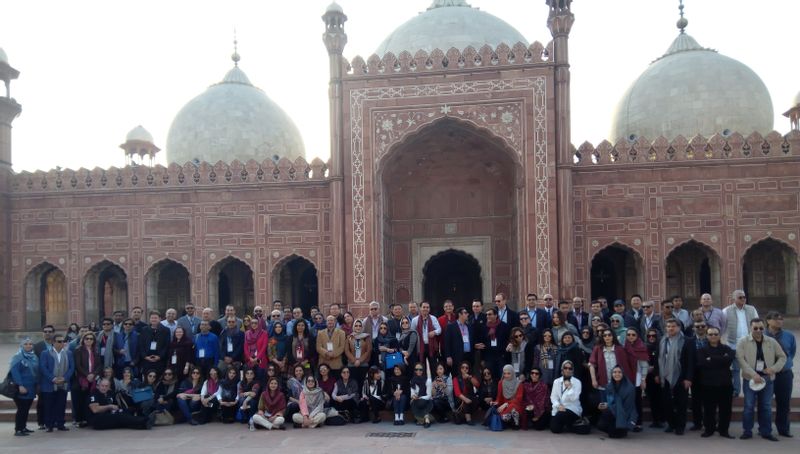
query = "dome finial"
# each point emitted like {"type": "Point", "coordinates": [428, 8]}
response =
{"type": "Point", "coordinates": [235, 56]}
{"type": "Point", "coordinates": [682, 22]}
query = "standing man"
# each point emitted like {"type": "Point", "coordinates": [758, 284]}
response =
{"type": "Point", "coordinates": [548, 305]}
{"type": "Point", "coordinates": [567, 316]}
{"type": "Point", "coordinates": [119, 317]}
{"type": "Point", "coordinates": [449, 315]}
{"type": "Point", "coordinates": [581, 317]}
{"type": "Point", "coordinates": [395, 321]}
{"type": "Point", "coordinates": [636, 308]}
{"type": "Point", "coordinates": [458, 340]}
{"type": "Point", "coordinates": [477, 316]}
{"type": "Point", "coordinates": [230, 311]}
{"type": "Point", "coordinates": [650, 320]}
{"type": "Point", "coordinates": [700, 341]}
{"type": "Point", "coordinates": [330, 345]}
{"type": "Point", "coordinates": [45, 344]}
{"type": "Point", "coordinates": [105, 342]}
{"type": "Point", "coordinates": [738, 317]}
{"type": "Point", "coordinates": [760, 358]}
{"type": "Point", "coordinates": [277, 305]}
{"type": "Point", "coordinates": [189, 322]}
{"type": "Point", "coordinates": [208, 315]}
{"type": "Point", "coordinates": [372, 322]}
{"type": "Point", "coordinates": [231, 346]}
{"type": "Point", "coordinates": [539, 320]}
{"type": "Point", "coordinates": [170, 321]}
{"type": "Point", "coordinates": [206, 347]}
{"type": "Point", "coordinates": [504, 313]}
{"type": "Point", "coordinates": [676, 361]}
{"type": "Point", "coordinates": [57, 367]}
{"type": "Point", "coordinates": [153, 343]}
{"type": "Point", "coordinates": [413, 311]}
{"type": "Point", "coordinates": [714, 362]}
{"type": "Point", "coordinates": [713, 315]}
{"type": "Point", "coordinates": [681, 313]}
{"type": "Point", "coordinates": [336, 310]}
{"type": "Point", "coordinates": [136, 314]}
{"type": "Point", "coordinates": [596, 310]}
{"type": "Point", "coordinates": [126, 344]}
{"type": "Point", "coordinates": [428, 330]}
{"type": "Point", "coordinates": [785, 376]}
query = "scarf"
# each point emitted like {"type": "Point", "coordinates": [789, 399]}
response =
{"type": "Point", "coordinates": [27, 359]}
{"type": "Point", "coordinates": [277, 343]}
{"type": "Point", "coordinates": [637, 350]}
{"type": "Point", "coordinates": [315, 399]}
{"type": "Point", "coordinates": [587, 344]}
{"type": "Point", "coordinates": [273, 401]}
{"type": "Point", "coordinates": [211, 386]}
{"type": "Point", "coordinates": [518, 356]}
{"type": "Point", "coordinates": [493, 328]}
{"type": "Point", "coordinates": [622, 330]}
{"type": "Point", "coordinates": [510, 386]}
{"type": "Point", "coordinates": [432, 344]}
{"type": "Point", "coordinates": [60, 366]}
{"type": "Point", "coordinates": [107, 341]}
{"type": "Point", "coordinates": [670, 364]}
{"type": "Point", "coordinates": [251, 338]}
{"type": "Point", "coordinates": [563, 353]}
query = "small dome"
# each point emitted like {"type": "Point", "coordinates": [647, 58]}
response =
{"type": "Point", "coordinates": [232, 120]}
{"type": "Point", "coordinates": [450, 23]}
{"type": "Point", "coordinates": [692, 90]}
{"type": "Point", "coordinates": [140, 134]}
{"type": "Point", "coordinates": [796, 101]}
{"type": "Point", "coordinates": [3, 56]}
{"type": "Point", "coordinates": [334, 8]}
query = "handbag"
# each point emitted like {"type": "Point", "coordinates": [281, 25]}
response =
{"type": "Point", "coordinates": [8, 388]}
{"type": "Point", "coordinates": [143, 394]}
{"type": "Point", "coordinates": [394, 359]}
{"type": "Point", "coordinates": [493, 420]}
{"type": "Point", "coordinates": [582, 426]}
{"type": "Point", "coordinates": [164, 418]}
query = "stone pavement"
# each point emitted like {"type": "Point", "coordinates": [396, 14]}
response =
{"type": "Point", "coordinates": [447, 438]}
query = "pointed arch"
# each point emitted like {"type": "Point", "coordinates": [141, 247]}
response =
{"type": "Point", "coordinates": [105, 290]}
{"type": "Point", "coordinates": [691, 269]}
{"type": "Point", "coordinates": [770, 276]}
{"type": "Point", "coordinates": [295, 281]}
{"type": "Point", "coordinates": [167, 284]}
{"type": "Point", "coordinates": [616, 272]}
{"type": "Point", "coordinates": [230, 281]}
{"type": "Point", "coordinates": [46, 299]}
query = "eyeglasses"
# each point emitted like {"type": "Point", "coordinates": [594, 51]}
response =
{"type": "Point", "coordinates": [608, 335]}
{"type": "Point", "coordinates": [699, 326]}
{"type": "Point", "coordinates": [518, 336]}
{"type": "Point", "coordinates": [524, 318]}
{"type": "Point", "coordinates": [548, 299]}
{"type": "Point", "coordinates": [648, 306]}
{"type": "Point", "coordinates": [652, 335]}
{"type": "Point", "coordinates": [535, 373]}
{"type": "Point", "coordinates": [417, 369]}
{"type": "Point", "coordinates": [566, 368]}
{"type": "Point", "coordinates": [631, 335]}
{"type": "Point", "coordinates": [668, 306]}
{"type": "Point", "coordinates": [758, 328]}
{"type": "Point", "coordinates": [127, 324]}
{"type": "Point", "coordinates": [88, 338]}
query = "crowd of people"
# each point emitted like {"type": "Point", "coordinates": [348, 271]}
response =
{"type": "Point", "coordinates": [549, 366]}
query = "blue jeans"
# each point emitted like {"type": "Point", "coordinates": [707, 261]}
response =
{"type": "Point", "coordinates": [187, 407]}
{"type": "Point", "coordinates": [399, 405]}
{"type": "Point", "coordinates": [737, 376]}
{"type": "Point", "coordinates": [764, 408]}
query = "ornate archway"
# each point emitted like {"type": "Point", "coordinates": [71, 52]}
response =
{"type": "Point", "coordinates": [770, 276]}
{"type": "Point", "coordinates": [167, 285]}
{"type": "Point", "coordinates": [616, 273]}
{"type": "Point", "coordinates": [452, 274]}
{"type": "Point", "coordinates": [230, 282]}
{"type": "Point", "coordinates": [295, 282]}
{"type": "Point", "coordinates": [46, 299]}
{"type": "Point", "coordinates": [105, 290]}
{"type": "Point", "coordinates": [692, 269]}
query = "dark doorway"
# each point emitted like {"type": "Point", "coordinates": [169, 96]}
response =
{"type": "Point", "coordinates": [230, 282]}
{"type": "Point", "coordinates": [453, 275]}
{"type": "Point", "coordinates": [770, 275]}
{"type": "Point", "coordinates": [296, 284]}
{"type": "Point", "coordinates": [691, 270]}
{"type": "Point", "coordinates": [615, 273]}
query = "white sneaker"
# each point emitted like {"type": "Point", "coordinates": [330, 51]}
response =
{"type": "Point", "coordinates": [252, 427]}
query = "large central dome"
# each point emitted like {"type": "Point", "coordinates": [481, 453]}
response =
{"type": "Point", "coordinates": [450, 23]}
{"type": "Point", "coordinates": [232, 120]}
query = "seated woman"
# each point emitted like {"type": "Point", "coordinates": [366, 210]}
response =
{"type": "Point", "coordinates": [278, 346]}
{"type": "Point", "coordinates": [271, 408]}
{"type": "Point", "coordinates": [124, 390]}
{"type": "Point", "coordinates": [619, 410]}
{"type": "Point", "coordinates": [312, 405]}
{"type": "Point", "coordinates": [294, 387]}
{"type": "Point", "coordinates": [465, 394]}
{"type": "Point", "coordinates": [442, 394]}
{"type": "Point", "coordinates": [228, 395]}
{"type": "Point", "coordinates": [188, 398]}
{"type": "Point", "coordinates": [487, 391]}
{"type": "Point", "coordinates": [421, 388]}
{"type": "Point", "coordinates": [509, 397]}
{"type": "Point", "coordinates": [249, 389]}
{"type": "Point", "coordinates": [167, 392]}
{"type": "Point", "coordinates": [210, 396]}
{"type": "Point", "coordinates": [326, 380]}
{"type": "Point", "coordinates": [565, 399]}
{"type": "Point", "coordinates": [544, 357]}
{"type": "Point", "coordinates": [536, 400]}
{"type": "Point", "coordinates": [148, 406]}
{"type": "Point", "coordinates": [346, 397]}
{"type": "Point", "coordinates": [521, 351]}
{"type": "Point", "coordinates": [397, 387]}
{"type": "Point", "coordinates": [373, 395]}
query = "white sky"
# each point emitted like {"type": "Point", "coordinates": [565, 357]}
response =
{"type": "Point", "coordinates": [92, 70]}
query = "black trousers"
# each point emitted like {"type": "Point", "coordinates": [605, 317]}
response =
{"type": "Point", "coordinates": [40, 409]}
{"type": "Point", "coordinates": [697, 403]}
{"type": "Point", "coordinates": [122, 420]}
{"type": "Point", "coordinates": [654, 399]}
{"type": "Point", "coordinates": [675, 400]}
{"type": "Point", "coordinates": [541, 424]}
{"type": "Point", "coordinates": [562, 421]}
{"type": "Point", "coordinates": [81, 404]}
{"type": "Point", "coordinates": [717, 398]}
{"type": "Point", "coordinates": [608, 424]}
{"type": "Point", "coordinates": [23, 409]}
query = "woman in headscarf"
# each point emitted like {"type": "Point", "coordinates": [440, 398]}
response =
{"type": "Point", "coordinates": [407, 342]}
{"type": "Point", "coordinates": [346, 397]}
{"type": "Point", "coordinates": [347, 326]}
{"type": "Point", "coordinates": [358, 351]}
{"type": "Point", "coordinates": [397, 387]}
{"type": "Point", "coordinates": [568, 350]}
{"type": "Point", "coordinates": [312, 405]}
{"type": "Point", "coordinates": [229, 392]}
{"type": "Point", "coordinates": [465, 394]}
{"type": "Point", "coordinates": [619, 409]}
{"type": "Point", "coordinates": [509, 397]}
{"type": "Point", "coordinates": [319, 324]}
{"type": "Point", "coordinates": [638, 356]}
{"type": "Point", "coordinates": [652, 388]}
{"type": "Point", "coordinates": [385, 344]}
{"type": "Point", "coordinates": [544, 357]}
{"type": "Point", "coordinates": [587, 342]}
{"type": "Point", "coordinates": [618, 327]}
{"type": "Point", "coordinates": [373, 393]}
{"type": "Point", "coordinates": [180, 354]}
{"type": "Point", "coordinates": [256, 343]}
{"type": "Point", "coordinates": [536, 402]}
{"type": "Point", "coordinates": [271, 408]}
{"type": "Point", "coordinates": [561, 326]}
{"type": "Point", "coordinates": [24, 369]}
{"type": "Point", "coordinates": [326, 381]}
{"type": "Point", "coordinates": [88, 365]}
{"type": "Point", "coordinates": [421, 388]}
{"type": "Point", "coordinates": [249, 389]}
{"type": "Point", "coordinates": [278, 345]}
{"type": "Point", "coordinates": [167, 391]}
{"type": "Point", "coordinates": [302, 349]}
{"type": "Point", "coordinates": [521, 351]}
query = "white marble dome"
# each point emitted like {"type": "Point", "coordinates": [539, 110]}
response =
{"type": "Point", "coordinates": [692, 90]}
{"type": "Point", "coordinates": [232, 120]}
{"type": "Point", "coordinates": [450, 23]}
{"type": "Point", "coordinates": [3, 56]}
{"type": "Point", "coordinates": [140, 134]}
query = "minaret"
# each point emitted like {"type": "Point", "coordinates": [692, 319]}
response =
{"type": "Point", "coordinates": [139, 142]}
{"type": "Point", "coordinates": [9, 110]}
{"type": "Point", "coordinates": [335, 39]}
{"type": "Point", "coordinates": [559, 21]}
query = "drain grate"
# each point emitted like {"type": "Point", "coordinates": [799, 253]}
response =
{"type": "Point", "coordinates": [391, 434]}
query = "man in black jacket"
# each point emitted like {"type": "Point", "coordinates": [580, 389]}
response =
{"type": "Point", "coordinates": [714, 359]}
{"type": "Point", "coordinates": [153, 344]}
{"type": "Point", "coordinates": [675, 369]}
{"type": "Point", "coordinates": [459, 340]}
{"type": "Point", "coordinates": [504, 313]}
{"type": "Point", "coordinates": [477, 317]}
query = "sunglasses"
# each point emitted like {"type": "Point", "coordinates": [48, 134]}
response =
{"type": "Point", "coordinates": [524, 318]}
{"type": "Point", "coordinates": [566, 368]}
{"type": "Point", "coordinates": [88, 338]}
{"type": "Point", "coordinates": [608, 335]}
{"type": "Point", "coordinates": [417, 370]}
{"type": "Point", "coordinates": [758, 328]}
{"type": "Point", "coordinates": [518, 336]}
{"type": "Point", "coordinates": [668, 306]}
{"type": "Point", "coordinates": [631, 334]}
{"type": "Point", "coordinates": [535, 373]}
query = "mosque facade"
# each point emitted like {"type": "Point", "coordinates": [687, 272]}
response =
{"type": "Point", "coordinates": [452, 175]}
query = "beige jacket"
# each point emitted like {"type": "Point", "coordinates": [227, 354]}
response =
{"type": "Point", "coordinates": [774, 357]}
{"type": "Point", "coordinates": [339, 341]}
